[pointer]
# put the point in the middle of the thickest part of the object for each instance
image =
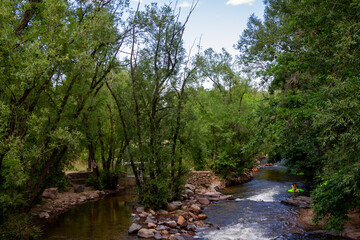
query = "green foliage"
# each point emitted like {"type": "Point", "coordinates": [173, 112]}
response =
{"type": "Point", "coordinates": [221, 125]}
{"type": "Point", "coordinates": [156, 193]}
{"type": "Point", "coordinates": [58, 179]}
{"type": "Point", "coordinates": [18, 226]}
{"type": "Point", "coordinates": [337, 195]}
{"type": "Point", "coordinates": [109, 180]}
{"type": "Point", "coordinates": [55, 56]}
{"type": "Point", "coordinates": [307, 53]}
{"type": "Point", "coordinates": [94, 182]}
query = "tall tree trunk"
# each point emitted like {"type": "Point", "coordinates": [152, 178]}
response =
{"type": "Point", "coordinates": [127, 140]}
{"type": "Point", "coordinates": [91, 156]}
{"type": "Point", "coordinates": [133, 66]}
{"type": "Point", "coordinates": [34, 188]}
{"type": "Point", "coordinates": [215, 144]}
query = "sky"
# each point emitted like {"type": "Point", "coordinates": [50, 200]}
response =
{"type": "Point", "coordinates": [218, 23]}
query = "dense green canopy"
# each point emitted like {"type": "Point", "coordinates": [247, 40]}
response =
{"type": "Point", "coordinates": [309, 54]}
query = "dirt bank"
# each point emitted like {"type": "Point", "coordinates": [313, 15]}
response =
{"type": "Point", "coordinates": [351, 228]}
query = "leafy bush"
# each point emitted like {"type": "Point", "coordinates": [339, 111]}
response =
{"type": "Point", "coordinates": [94, 182]}
{"type": "Point", "coordinates": [58, 179]}
{"type": "Point", "coordinates": [18, 226]}
{"type": "Point", "coordinates": [109, 179]}
{"type": "Point", "coordinates": [156, 193]}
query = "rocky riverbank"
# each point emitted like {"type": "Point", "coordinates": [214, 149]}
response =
{"type": "Point", "coordinates": [55, 203]}
{"type": "Point", "coordinates": [180, 218]}
{"type": "Point", "coordinates": [351, 228]}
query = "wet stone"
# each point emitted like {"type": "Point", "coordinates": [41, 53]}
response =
{"type": "Point", "coordinates": [174, 231]}
{"type": "Point", "coordinates": [158, 236]}
{"type": "Point", "coordinates": [171, 224]}
{"type": "Point", "coordinates": [145, 233]}
{"type": "Point", "coordinates": [134, 228]}
{"type": "Point", "coordinates": [204, 201]}
{"type": "Point", "coordinates": [160, 228]}
{"type": "Point", "coordinates": [177, 237]}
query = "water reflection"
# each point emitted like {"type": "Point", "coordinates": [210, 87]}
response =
{"type": "Point", "coordinates": [106, 219]}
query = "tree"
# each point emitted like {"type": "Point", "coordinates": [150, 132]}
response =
{"type": "Point", "coordinates": [309, 50]}
{"type": "Point", "coordinates": [222, 115]}
{"type": "Point", "coordinates": [153, 94]}
{"type": "Point", "coordinates": [55, 57]}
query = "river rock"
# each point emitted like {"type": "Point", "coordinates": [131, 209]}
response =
{"type": "Point", "coordinates": [204, 201]}
{"type": "Point", "coordinates": [214, 198]}
{"type": "Point", "coordinates": [171, 224]}
{"type": "Point", "coordinates": [44, 215]}
{"type": "Point", "coordinates": [162, 212]}
{"type": "Point", "coordinates": [171, 207]}
{"type": "Point", "coordinates": [178, 204]}
{"type": "Point", "coordinates": [195, 208]}
{"type": "Point", "coordinates": [191, 227]}
{"type": "Point", "coordinates": [185, 208]}
{"type": "Point", "coordinates": [214, 188]}
{"type": "Point", "coordinates": [50, 193]}
{"type": "Point", "coordinates": [93, 195]}
{"type": "Point", "coordinates": [226, 197]}
{"type": "Point", "coordinates": [140, 209]}
{"type": "Point", "coordinates": [189, 192]}
{"type": "Point", "coordinates": [202, 216]}
{"type": "Point", "coordinates": [134, 228]}
{"type": "Point", "coordinates": [190, 186]}
{"type": "Point", "coordinates": [152, 212]}
{"type": "Point", "coordinates": [160, 228]}
{"type": "Point", "coordinates": [151, 225]}
{"type": "Point", "coordinates": [145, 233]}
{"type": "Point", "coordinates": [143, 214]}
{"type": "Point", "coordinates": [177, 237]}
{"type": "Point", "coordinates": [213, 194]}
{"type": "Point", "coordinates": [181, 221]}
{"type": "Point", "coordinates": [79, 188]}
{"type": "Point", "coordinates": [82, 198]}
{"type": "Point", "coordinates": [174, 231]}
{"type": "Point", "coordinates": [193, 216]}
{"type": "Point", "coordinates": [300, 201]}
{"type": "Point", "coordinates": [150, 219]}
{"type": "Point", "coordinates": [200, 224]}
{"type": "Point", "coordinates": [158, 236]}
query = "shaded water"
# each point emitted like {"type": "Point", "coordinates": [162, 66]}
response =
{"type": "Point", "coordinates": [106, 219]}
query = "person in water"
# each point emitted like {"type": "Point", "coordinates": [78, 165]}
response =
{"type": "Point", "coordinates": [294, 187]}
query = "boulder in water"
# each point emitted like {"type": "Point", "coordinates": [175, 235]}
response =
{"type": "Point", "coordinates": [300, 201]}
{"type": "Point", "coordinates": [146, 233]}
{"type": "Point", "coordinates": [204, 201]}
{"type": "Point", "coordinates": [134, 228]}
{"type": "Point", "coordinates": [177, 237]}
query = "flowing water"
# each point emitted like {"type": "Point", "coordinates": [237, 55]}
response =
{"type": "Point", "coordinates": [256, 214]}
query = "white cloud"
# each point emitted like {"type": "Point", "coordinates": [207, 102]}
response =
{"type": "Point", "coordinates": [239, 2]}
{"type": "Point", "coordinates": [185, 4]}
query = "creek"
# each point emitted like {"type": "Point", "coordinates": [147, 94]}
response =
{"type": "Point", "coordinates": [256, 214]}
